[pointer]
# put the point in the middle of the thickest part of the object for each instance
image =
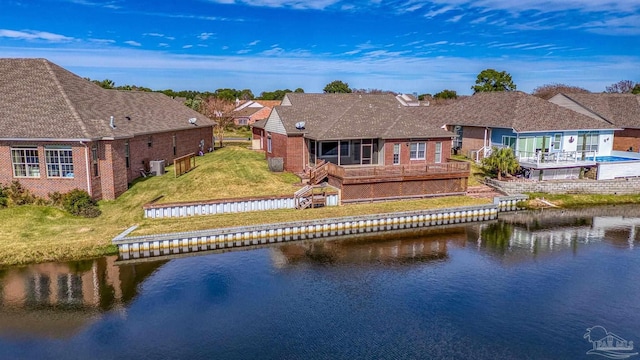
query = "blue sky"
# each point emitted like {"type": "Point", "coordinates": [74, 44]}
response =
{"type": "Point", "coordinates": [404, 46]}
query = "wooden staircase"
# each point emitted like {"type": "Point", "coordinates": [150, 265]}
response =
{"type": "Point", "coordinates": [308, 197]}
{"type": "Point", "coordinates": [318, 173]}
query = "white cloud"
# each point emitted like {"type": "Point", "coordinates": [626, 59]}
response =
{"type": "Point", "coordinates": [273, 51]}
{"type": "Point", "coordinates": [109, 4]}
{"type": "Point", "coordinates": [187, 46]}
{"type": "Point", "coordinates": [455, 19]}
{"type": "Point", "coordinates": [254, 43]}
{"type": "Point", "coordinates": [101, 41]}
{"type": "Point", "coordinates": [294, 4]}
{"type": "Point", "coordinates": [205, 35]}
{"type": "Point", "coordinates": [34, 35]}
{"type": "Point", "coordinates": [164, 45]}
{"type": "Point", "coordinates": [132, 43]}
{"type": "Point", "coordinates": [153, 34]}
{"type": "Point", "coordinates": [400, 73]}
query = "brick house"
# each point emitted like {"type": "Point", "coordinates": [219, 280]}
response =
{"type": "Point", "coordinates": [353, 129]}
{"type": "Point", "coordinates": [550, 141]}
{"type": "Point", "coordinates": [383, 135]}
{"type": "Point", "coordinates": [621, 110]}
{"type": "Point", "coordinates": [59, 132]}
{"type": "Point", "coordinates": [251, 111]}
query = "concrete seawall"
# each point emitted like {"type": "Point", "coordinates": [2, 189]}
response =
{"type": "Point", "coordinates": [149, 246]}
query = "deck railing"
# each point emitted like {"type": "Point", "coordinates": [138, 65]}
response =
{"type": "Point", "coordinates": [396, 171]}
{"type": "Point", "coordinates": [559, 157]}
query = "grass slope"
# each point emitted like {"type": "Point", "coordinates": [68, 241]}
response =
{"type": "Point", "coordinates": [38, 233]}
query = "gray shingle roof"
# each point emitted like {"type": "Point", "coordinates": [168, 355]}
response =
{"type": "Point", "coordinates": [41, 100]}
{"type": "Point", "coordinates": [356, 116]}
{"type": "Point", "coordinates": [622, 110]}
{"type": "Point", "coordinates": [517, 110]}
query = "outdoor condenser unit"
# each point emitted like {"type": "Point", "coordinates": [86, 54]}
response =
{"type": "Point", "coordinates": [157, 167]}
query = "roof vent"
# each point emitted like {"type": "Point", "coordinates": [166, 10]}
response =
{"type": "Point", "coordinates": [112, 122]}
{"type": "Point", "coordinates": [192, 121]}
{"type": "Point", "coordinates": [300, 125]}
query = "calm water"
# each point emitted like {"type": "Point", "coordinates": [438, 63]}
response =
{"type": "Point", "coordinates": [527, 286]}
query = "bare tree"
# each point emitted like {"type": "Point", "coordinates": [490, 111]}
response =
{"type": "Point", "coordinates": [622, 87]}
{"type": "Point", "coordinates": [548, 91]}
{"type": "Point", "coordinates": [219, 110]}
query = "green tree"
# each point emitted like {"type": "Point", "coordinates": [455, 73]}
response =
{"type": "Point", "coordinates": [274, 95]}
{"type": "Point", "coordinates": [337, 86]}
{"type": "Point", "coordinates": [105, 84]}
{"type": "Point", "coordinates": [501, 161]}
{"type": "Point", "coordinates": [636, 89]}
{"type": "Point", "coordinates": [298, 90]}
{"type": "Point", "coordinates": [492, 80]}
{"type": "Point", "coordinates": [446, 94]}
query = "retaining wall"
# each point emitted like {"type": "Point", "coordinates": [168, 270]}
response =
{"type": "Point", "coordinates": [626, 186]}
{"type": "Point", "coordinates": [159, 211]}
{"type": "Point", "coordinates": [213, 239]}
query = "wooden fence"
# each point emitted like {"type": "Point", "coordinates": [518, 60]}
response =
{"type": "Point", "coordinates": [184, 164]}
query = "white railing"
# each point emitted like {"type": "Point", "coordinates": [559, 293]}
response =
{"type": "Point", "coordinates": [557, 157]}
{"type": "Point", "coordinates": [475, 154]}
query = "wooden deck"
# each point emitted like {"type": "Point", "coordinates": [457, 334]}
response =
{"type": "Point", "coordinates": [367, 183]}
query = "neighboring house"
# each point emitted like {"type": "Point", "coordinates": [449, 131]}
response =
{"type": "Point", "coordinates": [374, 135]}
{"type": "Point", "coordinates": [258, 137]}
{"type": "Point", "coordinates": [251, 111]}
{"type": "Point", "coordinates": [621, 110]}
{"type": "Point", "coordinates": [59, 132]}
{"type": "Point", "coordinates": [551, 142]}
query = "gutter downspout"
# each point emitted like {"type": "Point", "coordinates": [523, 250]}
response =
{"type": "Point", "coordinates": [88, 169]}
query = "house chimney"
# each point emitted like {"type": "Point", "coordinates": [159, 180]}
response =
{"type": "Point", "coordinates": [112, 123]}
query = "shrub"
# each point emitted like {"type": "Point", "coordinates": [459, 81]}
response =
{"type": "Point", "coordinates": [4, 196]}
{"type": "Point", "coordinates": [79, 202]}
{"type": "Point", "coordinates": [18, 195]}
{"type": "Point", "coordinates": [56, 198]}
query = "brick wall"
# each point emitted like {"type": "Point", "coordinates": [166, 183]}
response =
{"type": "Point", "coordinates": [113, 175]}
{"type": "Point", "coordinates": [42, 186]}
{"type": "Point", "coordinates": [405, 158]}
{"type": "Point", "coordinates": [297, 154]}
{"type": "Point", "coordinates": [625, 139]}
{"type": "Point", "coordinates": [472, 138]}
{"type": "Point", "coordinates": [627, 186]}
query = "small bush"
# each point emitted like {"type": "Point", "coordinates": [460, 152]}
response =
{"type": "Point", "coordinates": [18, 195]}
{"type": "Point", "coordinates": [56, 198]}
{"type": "Point", "coordinates": [4, 196]}
{"type": "Point", "coordinates": [79, 202]}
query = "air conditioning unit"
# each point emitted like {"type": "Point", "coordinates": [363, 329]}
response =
{"type": "Point", "coordinates": [157, 167]}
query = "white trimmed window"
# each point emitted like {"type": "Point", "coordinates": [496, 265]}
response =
{"type": "Point", "coordinates": [25, 162]}
{"type": "Point", "coordinates": [269, 143]}
{"type": "Point", "coordinates": [557, 142]}
{"type": "Point", "coordinates": [59, 162]}
{"type": "Point", "coordinates": [438, 154]}
{"type": "Point", "coordinates": [396, 154]}
{"type": "Point", "coordinates": [417, 151]}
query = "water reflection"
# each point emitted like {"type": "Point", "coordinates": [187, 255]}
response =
{"type": "Point", "coordinates": [58, 299]}
{"type": "Point", "coordinates": [406, 247]}
{"type": "Point", "coordinates": [532, 234]}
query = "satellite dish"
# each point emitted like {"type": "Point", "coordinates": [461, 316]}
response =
{"type": "Point", "coordinates": [192, 121]}
{"type": "Point", "coordinates": [300, 125]}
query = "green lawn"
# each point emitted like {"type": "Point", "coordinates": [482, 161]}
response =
{"type": "Point", "coordinates": [39, 233]}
